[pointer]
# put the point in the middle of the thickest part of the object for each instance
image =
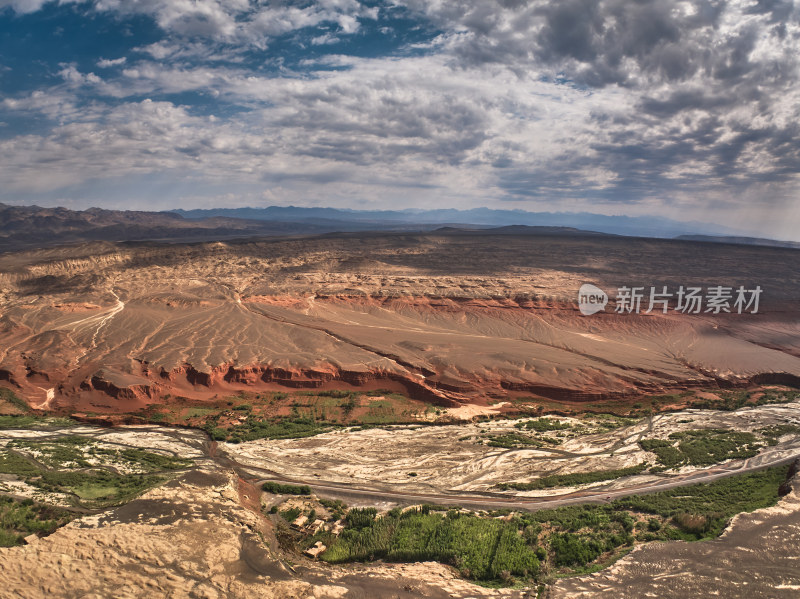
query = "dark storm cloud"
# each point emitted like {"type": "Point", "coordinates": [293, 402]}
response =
{"type": "Point", "coordinates": [684, 99]}
{"type": "Point", "coordinates": [779, 10]}
{"type": "Point", "coordinates": [607, 42]}
{"type": "Point", "coordinates": [713, 85]}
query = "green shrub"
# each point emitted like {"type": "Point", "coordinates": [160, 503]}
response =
{"type": "Point", "coordinates": [579, 478]}
{"type": "Point", "coordinates": [568, 538]}
{"type": "Point", "coordinates": [283, 489]}
{"type": "Point", "coordinates": [291, 514]}
{"type": "Point", "coordinates": [574, 550]}
{"type": "Point", "coordinates": [702, 447]}
{"type": "Point", "coordinates": [544, 424]}
{"type": "Point", "coordinates": [361, 517]}
{"type": "Point", "coordinates": [480, 548]}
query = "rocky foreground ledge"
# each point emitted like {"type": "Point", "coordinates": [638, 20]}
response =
{"type": "Point", "coordinates": [201, 536]}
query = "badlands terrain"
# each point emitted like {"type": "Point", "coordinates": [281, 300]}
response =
{"type": "Point", "coordinates": [274, 412]}
{"type": "Point", "coordinates": [452, 318]}
{"type": "Point", "coordinates": [204, 528]}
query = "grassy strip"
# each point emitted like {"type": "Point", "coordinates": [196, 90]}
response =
{"type": "Point", "coordinates": [280, 489]}
{"type": "Point", "coordinates": [153, 462]}
{"type": "Point", "coordinates": [570, 480]}
{"type": "Point", "coordinates": [733, 400]}
{"type": "Point", "coordinates": [256, 428]}
{"type": "Point", "coordinates": [774, 432]}
{"type": "Point", "coordinates": [519, 441]}
{"type": "Point", "coordinates": [32, 421]}
{"type": "Point", "coordinates": [8, 396]}
{"type": "Point", "coordinates": [542, 425]}
{"type": "Point", "coordinates": [483, 549]}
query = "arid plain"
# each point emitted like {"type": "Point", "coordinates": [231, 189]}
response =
{"type": "Point", "coordinates": [454, 318]}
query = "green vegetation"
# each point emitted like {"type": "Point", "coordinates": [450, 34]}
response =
{"type": "Point", "coordinates": [291, 514]}
{"type": "Point", "coordinates": [716, 502]}
{"type": "Point", "coordinates": [64, 452]}
{"type": "Point", "coordinates": [702, 447]}
{"type": "Point", "coordinates": [92, 474]}
{"type": "Point", "coordinates": [608, 422]}
{"type": "Point", "coordinates": [98, 487]}
{"type": "Point", "coordinates": [198, 412]}
{"type": "Point", "coordinates": [252, 416]}
{"type": "Point", "coordinates": [312, 413]}
{"type": "Point", "coordinates": [32, 421]}
{"type": "Point", "coordinates": [534, 546]}
{"type": "Point", "coordinates": [13, 463]}
{"type": "Point", "coordinates": [668, 398]}
{"type": "Point", "coordinates": [257, 428]}
{"type": "Point", "coordinates": [336, 393]}
{"type": "Point", "coordinates": [772, 433]}
{"type": "Point", "coordinates": [589, 424]}
{"type": "Point", "coordinates": [18, 421]}
{"type": "Point", "coordinates": [19, 519]}
{"type": "Point", "coordinates": [578, 478]}
{"type": "Point", "coordinates": [543, 425]}
{"type": "Point", "coordinates": [153, 462]}
{"type": "Point", "coordinates": [726, 400]}
{"type": "Point", "coordinates": [8, 396]}
{"type": "Point", "coordinates": [483, 549]}
{"type": "Point", "coordinates": [336, 507]}
{"type": "Point", "coordinates": [519, 441]}
{"type": "Point", "coordinates": [280, 489]}
{"type": "Point", "coordinates": [733, 400]}
{"type": "Point", "coordinates": [74, 451]}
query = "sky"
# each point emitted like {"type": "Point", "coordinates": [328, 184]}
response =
{"type": "Point", "coordinates": [666, 108]}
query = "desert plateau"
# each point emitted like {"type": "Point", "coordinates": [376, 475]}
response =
{"type": "Point", "coordinates": [396, 299]}
{"type": "Point", "coordinates": [453, 317]}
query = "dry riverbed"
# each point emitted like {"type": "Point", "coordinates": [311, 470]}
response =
{"type": "Point", "coordinates": [439, 459]}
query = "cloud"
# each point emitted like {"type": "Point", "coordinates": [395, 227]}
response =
{"type": "Point", "coordinates": [242, 21]}
{"type": "Point", "coordinates": [325, 38]}
{"type": "Point", "coordinates": [71, 75]}
{"type": "Point", "coordinates": [668, 106]}
{"type": "Point", "coordinates": [711, 90]}
{"type": "Point", "coordinates": [105, 63]}
{"type": "Point", "coordinates": [22, 6]}
{"type": "Point", "coordinates": [58, 106]}
{"type": "Point", "coordinates": [228, 21]}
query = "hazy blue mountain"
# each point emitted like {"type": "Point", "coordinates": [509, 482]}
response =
{"type": "Point", "coordinates": [741, 240]}
{"type": "Point", "coordinates": [618, 225]}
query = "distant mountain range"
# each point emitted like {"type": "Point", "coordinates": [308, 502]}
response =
{"type": "Point", "coordinates": [741, 240]}
{"type": "Point", "coordinates": [24, 227]}
{"type": "Point", "coordinates": [636, 226]}
{"type": "Point", "coordinates": [32, 226]}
